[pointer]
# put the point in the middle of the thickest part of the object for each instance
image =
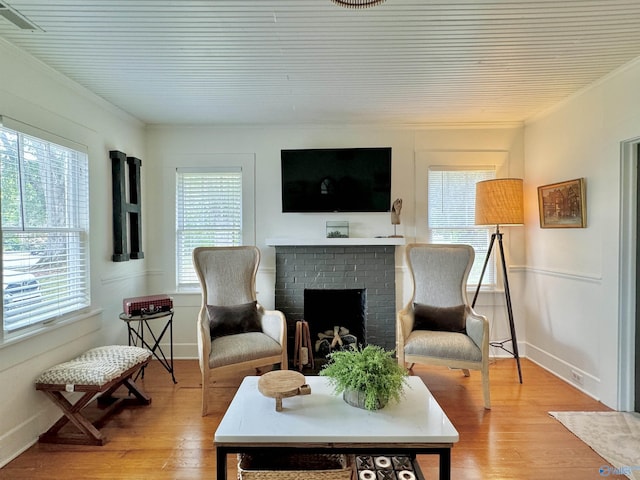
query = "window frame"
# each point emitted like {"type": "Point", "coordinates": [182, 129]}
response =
{"type": "Point", "coordinates": [489, 279]}
{"type": "Point", "coordinates": [77, 230]}
{"type": "Point", "coordinates": [244, 161]}
{"type": "Point", "coordinates": [234, 228]}
{"type": "Point", "coordinates": [426, 158]}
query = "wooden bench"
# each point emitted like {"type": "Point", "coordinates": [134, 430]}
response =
{"type": "Point", "coordinates": [99, 371]}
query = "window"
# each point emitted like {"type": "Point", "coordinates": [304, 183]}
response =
{"type": "Point", "coordinates": [45, 227]}
{"type": "Point", "coordinates": [451, 213]}
{"type": "Point", "coordinates": [208, 213]}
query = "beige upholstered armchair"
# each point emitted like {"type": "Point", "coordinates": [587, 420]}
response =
{"type": "Point", "coordinates": [234, 331]}
{"type": "Point", "coordinates": [438, 325]}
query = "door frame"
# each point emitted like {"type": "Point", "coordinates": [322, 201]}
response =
{"type": "Point", "coordinates": [627, 273]}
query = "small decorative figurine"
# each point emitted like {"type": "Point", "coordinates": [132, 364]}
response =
{"type": "Point", "coordinates": [395, 216]}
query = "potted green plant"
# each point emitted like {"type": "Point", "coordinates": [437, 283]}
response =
{"type": "Point", "coordinates": [367, 377]}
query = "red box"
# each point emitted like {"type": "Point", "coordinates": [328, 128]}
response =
{"type": "Point", "coordinates": [147, 305]}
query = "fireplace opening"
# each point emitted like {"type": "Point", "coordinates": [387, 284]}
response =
{"type": "Point", "coordinates": [336, 318]}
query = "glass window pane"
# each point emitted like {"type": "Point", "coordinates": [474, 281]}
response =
{"type": "Point", "coordinates": [45, 223]}
{"type": "Point", "coordinates": [451, 214]}
{"type": "Point", "coordinates": [208, 213]}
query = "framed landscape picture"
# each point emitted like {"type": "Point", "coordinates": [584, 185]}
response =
{"type": "Point", "coordinates": [563, 205]}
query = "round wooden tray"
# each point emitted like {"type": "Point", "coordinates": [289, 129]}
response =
{"type": "Point", "coordinates": [281, 384]}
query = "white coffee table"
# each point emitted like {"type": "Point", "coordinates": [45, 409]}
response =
{"type": "Point", "coordinates": [322, 420]}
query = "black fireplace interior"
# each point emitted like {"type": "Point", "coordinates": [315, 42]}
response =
{"type": "Point", "coordinates": [325, 309]}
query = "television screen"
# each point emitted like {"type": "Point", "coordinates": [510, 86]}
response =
{"type": "Point", "coordinates": [336, 180]}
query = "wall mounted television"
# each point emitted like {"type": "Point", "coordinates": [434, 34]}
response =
{"type": "Point", "coordinates": [336, 180]}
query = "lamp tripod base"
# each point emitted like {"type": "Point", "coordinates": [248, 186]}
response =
{"type": "Point", "coordinates": [500, 344]}
{"type": "Point", "coordinates": [514, 342]}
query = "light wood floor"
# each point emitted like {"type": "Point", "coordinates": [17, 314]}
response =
{"type": "Point", "coordinates": [169, 439]}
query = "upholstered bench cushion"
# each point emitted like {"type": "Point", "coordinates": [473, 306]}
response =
{"type": "Point", "coordinates": [100, 371]}
{"type": "Point", "coordinates": [97, 366]}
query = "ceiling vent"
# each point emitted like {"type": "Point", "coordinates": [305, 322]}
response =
{"type": "Point", "coordinates": [16, 18]}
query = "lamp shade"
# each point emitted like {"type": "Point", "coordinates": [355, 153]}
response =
{"type": "Point", "coordinates": [499, 202]}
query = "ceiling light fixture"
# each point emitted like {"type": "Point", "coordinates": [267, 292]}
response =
{"type": "Point", "coordinates": [358, 3]}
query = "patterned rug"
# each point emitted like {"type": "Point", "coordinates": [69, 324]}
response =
{"type": "Point", "coordinates": [615, 436]}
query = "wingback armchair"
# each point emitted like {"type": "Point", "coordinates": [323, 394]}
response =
{"type": "Point", "coordinates": [438, 326]}
{"type": "Point", "coordinates": [234, 331]}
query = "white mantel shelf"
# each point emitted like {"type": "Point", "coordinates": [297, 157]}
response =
{"type": "Point", "coordinates": [298, 242]}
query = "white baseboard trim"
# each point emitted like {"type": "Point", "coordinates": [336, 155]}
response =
{"type": "Point", "coordinates": [590, 384]}
{"type": "Point", "coordinates": [189, 351]}
{"type": "Point", "coordinates": [18, 439]}
{"type": "Point", "coordinates": [554, 365]}
{"type": "Point", "coordinates": [182, 351]}
{"type": "Point", "coordinates": [497, 352]}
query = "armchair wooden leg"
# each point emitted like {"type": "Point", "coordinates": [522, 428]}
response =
{"type": "Point", "coordinates": [485, 390]}
{"type": "Point", "coordinates": [205, 395]}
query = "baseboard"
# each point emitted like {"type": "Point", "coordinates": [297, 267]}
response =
{"type": "Point", "coordinates": [181, 351]}
{"type": "Point", "coordinates": [571, 374]}
{"type": "Point", "coordinates": [19, 439]}
{"type": "Point", "coordinates": [497, 352]}
{"type": "Point", "coordinates": [554, 365]}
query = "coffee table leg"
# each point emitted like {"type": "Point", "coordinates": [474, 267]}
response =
{"type": "Point", "coordinates": [445, 464]}
{"type": "Point", "coordinates": [221, 464]}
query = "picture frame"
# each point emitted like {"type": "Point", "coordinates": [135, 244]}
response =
{"type": "Point", "coordinates": [563, 204]}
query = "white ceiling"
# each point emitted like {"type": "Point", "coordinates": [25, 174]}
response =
{"type": "Point", "coordinates": [313, 62]}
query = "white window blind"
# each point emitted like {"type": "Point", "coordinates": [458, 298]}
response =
{"type": "Point", "coordinates": [45, 227]}
{"type": "Point", "coordinates": [451, 213]}
{"type": "Point", "coordinates": [208, 213]}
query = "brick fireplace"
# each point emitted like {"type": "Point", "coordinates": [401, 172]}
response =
{"type": "Point", "coordinates": [370, 268]}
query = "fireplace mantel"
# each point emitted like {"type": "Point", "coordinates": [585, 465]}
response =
{"type": "Point", "coordinates": [337, 242]}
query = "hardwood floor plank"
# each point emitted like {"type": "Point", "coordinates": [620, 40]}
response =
{"type": "Point", "coordinates": [516, 439]}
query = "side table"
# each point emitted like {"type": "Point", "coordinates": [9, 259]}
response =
{"type": "Point", "coordinates": [136, 325]}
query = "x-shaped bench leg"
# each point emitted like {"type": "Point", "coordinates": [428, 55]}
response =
{"type": "Point", "coordinates": [107, 402]}
{"type": "Point", "coordinates": [72, 413]}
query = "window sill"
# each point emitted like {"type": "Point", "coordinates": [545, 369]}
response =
{"type": "Point", "coordinates": [10, 339]}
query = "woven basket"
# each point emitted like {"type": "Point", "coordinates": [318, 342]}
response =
{"type": "Point", "coordinates": [302, 466]}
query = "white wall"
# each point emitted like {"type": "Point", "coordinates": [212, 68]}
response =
{"type": "Point", "coordinates": [413, 149]}
{"type": "Point", "coordinates": [572, 291]}
{"type": "Point", "coordinates": [35, 95]}
{"type": "Point", "coordinates": [565, 283]}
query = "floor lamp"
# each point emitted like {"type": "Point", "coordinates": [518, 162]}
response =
{"type": "Point", "coordinates": [499, 202]}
